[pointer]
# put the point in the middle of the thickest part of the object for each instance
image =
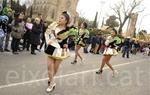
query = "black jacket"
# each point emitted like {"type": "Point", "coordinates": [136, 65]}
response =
{"type": "Point", "coordinates": [35, 34]}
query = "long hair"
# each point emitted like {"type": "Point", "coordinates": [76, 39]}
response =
{"type": "Point", "coordinates": [67, 17]}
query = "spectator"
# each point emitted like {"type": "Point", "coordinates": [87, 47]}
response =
{"type": "Point", "coordinates": [35, 35]}
{"type": "Point", "coordinates": [45, 26]}
{"type": "Point", "coordinates": [126, 47]}
{"type": "Point", "coordinates": [9, 29]}
{"type": "Point", "coordinates": [27, 35]}
{"type": "Point", "coordinates": [17, 32]}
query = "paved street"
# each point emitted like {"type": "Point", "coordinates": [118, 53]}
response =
{"type": "Point", "coordinates": [26, 74]}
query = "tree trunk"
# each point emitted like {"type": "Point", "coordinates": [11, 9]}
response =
{"type": "Point", "coordinates": [122, 24]}
{"type": "Point", "coordinates": [4, 3]}
{"type": "Point", "coordinates": [120, 29]}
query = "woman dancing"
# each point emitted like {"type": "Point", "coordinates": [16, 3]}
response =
{"type": "Point", "coordinates": [83, 35]}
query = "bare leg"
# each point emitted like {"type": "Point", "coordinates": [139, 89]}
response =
{"type": "Point", "coordinates": [102, 66]}
{"type": "Point", "coordinates": [108, 64]}
{"type": "Point", "coordinates": [77, 51]}
{"type": "Point", "coordinates": [56, 66]}
{"type": "Point", "coordinates": [103, 62]}
{"type": "Point", "coordinates": [50, 63]}
{"type": "Point", "coordinates": [77, 54]}
{"type": "Point", "coordinates": [52, 69]}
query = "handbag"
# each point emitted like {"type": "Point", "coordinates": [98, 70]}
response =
{"type": "Point", "coordinates": [110, 51]}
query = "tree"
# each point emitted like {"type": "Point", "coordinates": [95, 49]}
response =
{"type": "Point", "coordinates": [4, 3]}
{"type": "Point", "coordinates": [17, 7]}
{"type": "Point", "coordinates": [95, 21]}
{"type": "Point", "coordinates": [124, 10]}
{"type": "Point", "coordinates": [82, 19]}
{"type": "Point", "coordinates": [111, 21]}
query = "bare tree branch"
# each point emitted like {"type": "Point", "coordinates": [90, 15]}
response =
{"type": "Point", "coordinates": [139, 11]}
{"type": "Point", "coordinates": [124, 11]}
{"type": "Point", "coordinates": [124, 7]}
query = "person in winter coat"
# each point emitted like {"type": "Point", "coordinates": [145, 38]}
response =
{"type": "Point", "coordinates": [17, 32]}
{"type": "Point", "coordinates": [35, 35]}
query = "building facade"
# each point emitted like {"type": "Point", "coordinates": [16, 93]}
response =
{"type": "Point", "coordinates": [131, 29]}
{"type": "Point", "coordinates": [51, 9]}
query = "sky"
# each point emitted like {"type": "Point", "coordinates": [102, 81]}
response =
{"type": "Point", "coordinates": [88, 9]}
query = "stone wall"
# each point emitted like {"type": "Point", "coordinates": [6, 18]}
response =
{"type": "Point", "coordinates": [51, 9]}
{"type": "Point", "coordinates": [131, 25]}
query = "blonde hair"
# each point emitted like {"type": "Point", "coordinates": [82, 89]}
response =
{"type": "Point", "coordinates": [28, 19]}
{"type": "Point", "coordinates": [37, 19]}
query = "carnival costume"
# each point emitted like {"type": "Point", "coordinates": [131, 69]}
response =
{"type": "Point", "coordinates": [112, 44]}
{"type": "Point", "coordinates": [57, 38]}
{"type": "Point", "coordinates": [83, 35]}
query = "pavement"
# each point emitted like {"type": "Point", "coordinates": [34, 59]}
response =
{"type": "Point", "coordinates": [26, 74]}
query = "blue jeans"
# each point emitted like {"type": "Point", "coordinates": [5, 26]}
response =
{"type": "Point", "coordinates": [125, 52]}
{"type": "Point", "coordinates": [15, 44]}
{"type": "Point", "coordinates": [1, 42]}
{"type": "Point", "coordinates": [85, 50]}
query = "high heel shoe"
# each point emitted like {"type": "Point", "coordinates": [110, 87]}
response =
{"type": "Point", "coordinates": [114, 73]}
{"type": "Point", "coordinates": [74, 62]}
{"type": "Point", "coordinates": [51, 87]}
{"type": "Point", "coordinates": [82, 61]}
{"type": "Point", "coordinates": [99, 72]}
{"type": "Point", "coordinates": [49, 83]}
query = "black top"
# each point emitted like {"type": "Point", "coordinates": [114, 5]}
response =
{"type": "Point", "coordinates": [64, 41]}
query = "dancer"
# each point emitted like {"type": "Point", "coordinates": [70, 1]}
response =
{"type": "Point", "coordinates": [83, 35]}
{"type": "Point", "coordinates": [112, 42]}
{"type": "Point", "coordinates": [56, 36]}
